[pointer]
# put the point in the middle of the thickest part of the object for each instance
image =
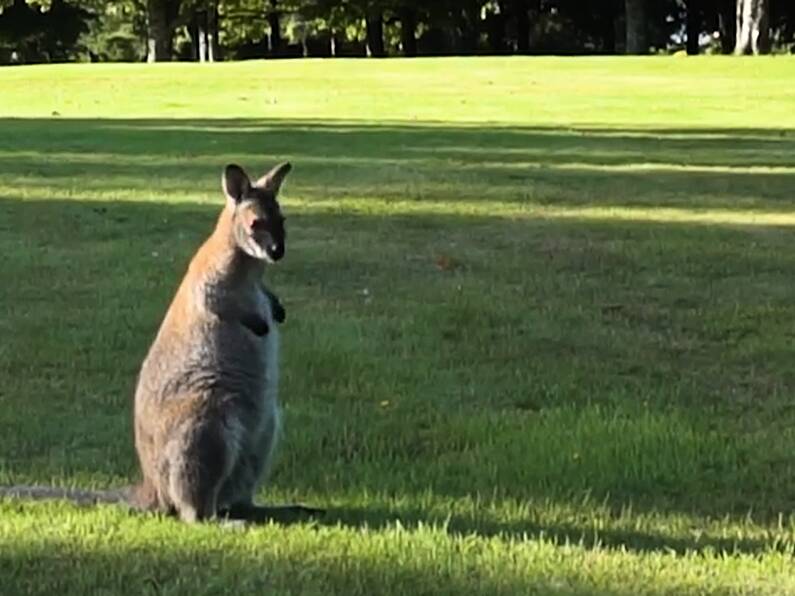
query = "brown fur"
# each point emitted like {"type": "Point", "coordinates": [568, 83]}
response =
{"type": "Point", "coordinates": [206, 407]}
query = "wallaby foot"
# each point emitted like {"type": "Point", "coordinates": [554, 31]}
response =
{"type": "Point", "coordinates": [284, 514]}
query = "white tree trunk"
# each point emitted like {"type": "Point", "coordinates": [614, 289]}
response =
{"type": "Point", "coordinates": [202, 35]}
{"type": "Point", "coordinates": [210, 45]}
{"type": "Point", "coordinates": [753, 28]}
{"type": "Point", "coordinates": [213, 44]}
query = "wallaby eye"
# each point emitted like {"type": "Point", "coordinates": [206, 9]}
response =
{"type": "Point", "coordinates": [259, 224]}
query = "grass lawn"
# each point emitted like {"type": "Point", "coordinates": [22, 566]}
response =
{"type": "Point", "coordinates": [540, 329]}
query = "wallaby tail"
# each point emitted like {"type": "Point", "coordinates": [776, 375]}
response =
{"type": "Point", "coordinates": [132, 496]}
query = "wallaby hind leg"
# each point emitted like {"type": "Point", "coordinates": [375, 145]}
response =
{"type": "Point", "coordinates": [197, 468]}
{"type": "Point", "coordinates": [237, 495]}
{"type": "Point", "coordinates": [251, 468]}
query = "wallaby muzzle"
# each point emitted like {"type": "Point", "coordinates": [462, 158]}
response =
{"type": "Point", "coordinates": [275, 250]}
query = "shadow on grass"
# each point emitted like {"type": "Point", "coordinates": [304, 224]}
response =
{"type": "Point", "coordinates": [527, 316]}
{"type": "Point", "coordinates": [695, 169]}
{"type": "Point", "coordinates": [49, 568]}
{"type": "Point", "coordinates": [588, 537]}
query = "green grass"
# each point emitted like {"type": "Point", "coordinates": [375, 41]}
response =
{"type": "Point", "coordinates": [540, 321]}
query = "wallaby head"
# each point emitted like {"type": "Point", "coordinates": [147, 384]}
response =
{"type": "Point", "coordinates": [257, 220]}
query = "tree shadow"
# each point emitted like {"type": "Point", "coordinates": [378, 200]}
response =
{"type": "Point", "coordinates": [586, 536]}
{"type": "Point", "coordinates": [738, 169]}
{"type": "Point", "coordinates": [46, 568]}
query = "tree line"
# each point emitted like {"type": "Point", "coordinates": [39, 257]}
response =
{"type": "Point", "coordinates": [209, 30]}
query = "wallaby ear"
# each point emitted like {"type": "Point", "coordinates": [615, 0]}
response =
{"type": "Point", "coordinates": [273, 180]}
{"type": "Point", "coordinates": [235, 182]}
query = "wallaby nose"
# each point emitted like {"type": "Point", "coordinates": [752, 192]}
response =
{"type": "Point", "coordinates": [276, 251]}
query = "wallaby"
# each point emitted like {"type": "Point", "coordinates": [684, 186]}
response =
{"type": "Point", "coordinates": [206, 415]}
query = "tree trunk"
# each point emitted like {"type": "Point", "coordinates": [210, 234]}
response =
{"type": "Point", "coordinates": [204, 46]}
{"type": "Point", "coordinates": [200, 38]}
{"type": "Point", "coordinates": [375, 34]}
{"type": "Point", "coordinates": [469, 21]}
{"type": "Point", "coordinates": [408, 30]}
{"type": "Point", "coordinates": [193, 30]}
{"type": "Point", "coordinates": [275, 37]}
{"type": "Point", "coordinates": [522, 26]}
{"type": "Point", "coordinates": [50, 44]}
{"type": "Point", "coordinates": [213, 47]}
{"type": "Point", "coordinates": [753, 29]}
{"type": "Point", "coordinates": [495, 33]}
{"type": "Point", "coordinates": [608, 28]}
{"type": "Point", "coordinates": [158, 31]}
{"type": "Point", "coordinates": [693, 26]}
{"type": "Point", "coordinates": [636, 27]}
{"type": "Point", "coordinates": [727, 25]}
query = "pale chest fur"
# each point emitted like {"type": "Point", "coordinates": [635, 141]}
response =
{"type": "Point", "coordinates": [270, 351]}
{"type": "Point", "coordinates": [212, 359]}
